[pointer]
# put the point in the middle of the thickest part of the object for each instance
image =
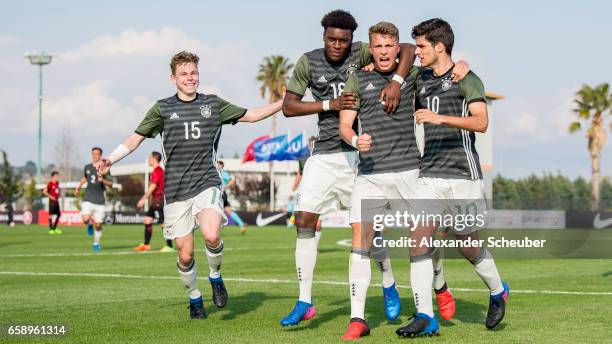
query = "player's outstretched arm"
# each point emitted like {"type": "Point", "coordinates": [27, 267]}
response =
{"type": "Point", "coordinates": [293, 105]}
{"type": "Point", "coordinates": [150, 190]}
{"type": "Point", "coordinates": [477, 121]}
{"type": "Point", "coordinates": [262, 112]}
{"type": "Point", "coordinates": [123, 150]}
{"type": "Point", "coordinates": [78, 188]}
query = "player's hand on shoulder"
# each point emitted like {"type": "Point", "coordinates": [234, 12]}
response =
{"type": "Point", "coordinates": [427, 116]}
{"type": "Point", "coordinates": [390, 97]}
{"type": "Point", "coordinates": [344, 102]}
{"type": "Point", "coordinates": [364, 143]}
{"type": "Point", "coordinates": [460, 70]}
{"type": "Point", "coordinates": [368, 68]}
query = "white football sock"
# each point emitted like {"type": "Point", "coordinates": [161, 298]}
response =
{"type": "Point", "coordinates": [438, 259]}
{"type": "Point", "coordinates": [97, 236]}
{"type": "Point", "coordinates": [214, 256]}
{"type": "Point", "coordinates": [189, 277]}
{"type": "Point", "coordinates": [421, 279]}
{"type": "Point", "coordinates": [305, 260]}
{"type": "Point", "coordinates": [360, 273]}
{"type": "Point", "coordinates": [486, 269]}
{"type": "Point", "coordinates": [383, 262]}
{"type": "Point", "coordinates": [318, 237]}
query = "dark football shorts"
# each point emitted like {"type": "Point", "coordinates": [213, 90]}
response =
{"type": "Point", "coordinates": [226, 203]}
{"type": "Point", "coordinates": [156, 210]}
{"type": "Point", "coordinates": [54, 208]}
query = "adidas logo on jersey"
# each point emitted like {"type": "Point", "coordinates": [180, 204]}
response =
{"type": "Point", "coordinates": [174, 116]}
{"type": "Point", "coordinates": [322, 79]}
{"type": "Point", "coordinates": [370, 87]}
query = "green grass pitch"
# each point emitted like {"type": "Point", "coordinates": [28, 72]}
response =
{"type": "Point", "coordinates": [120, 296]}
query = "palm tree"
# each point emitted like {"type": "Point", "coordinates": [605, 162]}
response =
{"type": "Point", "coordinates": [273, 74]}
{"type": "Point", "coordinates": [592, 104]}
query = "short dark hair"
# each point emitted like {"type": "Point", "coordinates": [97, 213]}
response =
{"type": "Point", "coordinates": [220, 162]}
{"type": "Point", "coordinates": [54, 173]}
{"type": "Point", "coordinates": [156, 155]}
{"type": "Point", "coordinates": [436, 31]}
{"type": "Point", "coordinates": [339, 19]}
{"type": "Point", "coordinates": [97, 148]}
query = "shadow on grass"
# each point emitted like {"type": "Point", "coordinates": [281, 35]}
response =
{"type": "Point", "coordinates": [342, 309]}
{"type": "Point", "coordinates": [117, 247]}
{"type": "Point", "coordinates": [606, 274]}
{"type": "Point", "coordinates": [330, 249]}
{"type": "Point", "coordinates": [243, 304]}
{"type": "Point", "coordinates": [467, 312]}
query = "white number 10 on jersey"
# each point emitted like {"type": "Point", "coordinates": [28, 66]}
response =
{"type": "Point", "coordinates": [433, 104]}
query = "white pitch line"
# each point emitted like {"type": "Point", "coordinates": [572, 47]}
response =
{"type": "Point", "coordinates": [274, 280]}
{"type": "Point", "coordinates": [116, 253]}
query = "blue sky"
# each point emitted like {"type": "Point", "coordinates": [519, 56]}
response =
{"type": "Point", "coordinates": [112, 64]}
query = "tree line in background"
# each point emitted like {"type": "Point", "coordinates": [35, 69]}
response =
{"type": "Point", "coordinates": [549, 192]}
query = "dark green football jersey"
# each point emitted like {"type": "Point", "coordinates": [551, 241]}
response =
{"type": "Point", "coordinates": [190, 134]}
{"type": "Point", "coordinates": [394, 147]}
{"type": "Point", "coordinates": [326, 81]}
{"type": "Point", "coordinates": [94, 192]}
{"type": "Point", "coordinates": [449, 152]}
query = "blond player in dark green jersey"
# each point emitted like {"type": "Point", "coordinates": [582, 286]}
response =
{"type": "Point", "coordinates": [190, 126]}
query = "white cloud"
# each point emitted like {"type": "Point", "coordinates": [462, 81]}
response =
{"type": "Point", "coordinates": [527, 120]}
{"type": "Point", "coordinates": [166, 41]}
{"type": "Point", "coordinates": [93, 111]}
{"type": "Point", "coordinates": [6, 39]}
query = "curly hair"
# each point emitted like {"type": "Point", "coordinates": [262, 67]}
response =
{"type": "Point", "coordinates": [436, 31]}
{"type": "Point", "coordinates": [183, 57]}
{"type": "Point", "coordinates": [339, 19]}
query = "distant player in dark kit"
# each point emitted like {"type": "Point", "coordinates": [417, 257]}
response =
{"type": "Point", "coordinates": [190, 127]}
{"type": "Point", "coordinates": [52, 191]}
{"type": "Point", "coordinates": [93, 205]}
{"type": "Point", "coordinates": [10, 209]}
{"type": "Point", "coordinates": [156, 208]}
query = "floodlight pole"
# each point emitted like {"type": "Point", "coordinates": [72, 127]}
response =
{"type": "Point", "coordinates": [40, 60]}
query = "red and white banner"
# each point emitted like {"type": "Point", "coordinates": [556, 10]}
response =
{"type": "Point", "coordinates": [68, 218]}
{"type": "Point", "coordinates": [24, 217]}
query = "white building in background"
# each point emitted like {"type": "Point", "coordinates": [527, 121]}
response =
{"type": "Point", "coordinates": [484, 146]}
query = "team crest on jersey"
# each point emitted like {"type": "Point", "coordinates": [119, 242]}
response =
{"type": "Point", "coordinates": [446, 84]}
{"type": "Point", "coordinates": [205, 111]}
{"type": "Point", "coordinates": [352, 68]}
{"type": "Point", "coordinates": [422, 92]}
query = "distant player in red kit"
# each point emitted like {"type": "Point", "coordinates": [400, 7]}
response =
{"type": "Point", "coordinates": [52, 191]}
{"type": "Point", "coordinates": [156, 209]}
